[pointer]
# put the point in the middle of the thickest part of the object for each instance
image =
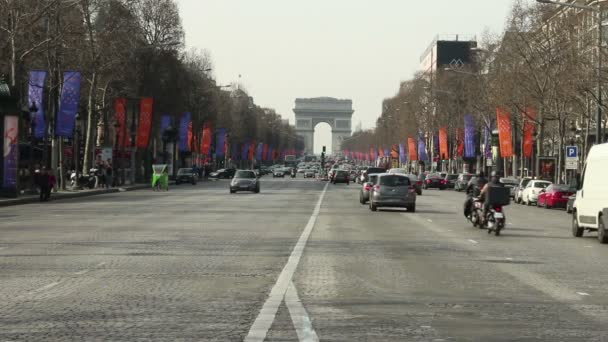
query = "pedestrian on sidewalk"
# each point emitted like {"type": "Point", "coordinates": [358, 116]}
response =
{"type": "Point", "coordinates": [52, 184]}
{"type": "Point", "coordinates": [44, 185]}
{"type": "Point", "coordinates": [109, 174]}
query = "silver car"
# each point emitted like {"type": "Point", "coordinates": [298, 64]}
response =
{"type": "Point", "coordinates": [393, 190]}
{"type": "Point", "coordinates": [366, 189]}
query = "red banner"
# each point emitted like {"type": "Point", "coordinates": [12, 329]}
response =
{"type": "Point", "coordinates": [252, 150]}
{"type": "Point", "coordinates": [444, 150]}
{"type": "Point", "coordinates": [145, 122]}
{"type": "Point", "coordinates": [411, 144]}
{"type": "Point", "coordinates": [190, 138]}
{"type": "Point", "coordinates": [380, 151]}
{"type": "Point", "coordinates": [460, 138]}
{"type": "Point", "coordinates": [529, 116]}
{"type": "Point", "coordinates": [395, 152]}
{"type": "Point", "coordinates": [503, 117]}
{"type": "Point", "coordinates": [206, 140]}
{"type": "Point", "coordinates": [120, 110]}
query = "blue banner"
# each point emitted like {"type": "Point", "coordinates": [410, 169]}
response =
{"type": "Point", "coordinates": [165, 122]}
{"type": "Point", "coordinates": [220, 142]}
{"type": "Point", "coordinates": [488, 140]}
{"type": "Point", "coordinates": [270, 151]}
{"type": "Point", "coordinates": [259, 151]}
{"type": "Point", "coordinates": [402, 154]}
{"type": "Point", "coordinates": [184, 122]}
{"type": "Point", "coordinates": [68, 107]}
{"type": "Point", "coordinates": [469, 136]}
{"type": "Point", "coordinates": [35, 92]}
{"type": "Point", "coordinates": [422, 154]}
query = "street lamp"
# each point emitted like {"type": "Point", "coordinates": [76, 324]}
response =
{"type": "Point", "coordinates": [33, 110]}
{"type": "Point", "coordinates": [597, 10]}
{"type": "Point", "coordinates": [76, 150]}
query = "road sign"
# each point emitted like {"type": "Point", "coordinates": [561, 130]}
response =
{"type": "Point", "coordinates": [571, 164]}
{"type": "Point", "coordinates": [572, 152]}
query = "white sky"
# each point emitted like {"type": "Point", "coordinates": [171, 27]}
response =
{"type": "Point", "coordinates": [355, 49]}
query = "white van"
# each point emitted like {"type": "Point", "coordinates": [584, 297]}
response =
{"type": "Point", "coordinates": [592, 197]}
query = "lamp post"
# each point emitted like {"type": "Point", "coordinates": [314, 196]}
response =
{"type": "Point", "coordinates": [33, 109]}
{"type": "Point", "coordinates": [598, 11]}
{"type": "Point", "coordinates": [134, 116]}
{"type": "Point", "coordinates": [76, 149]}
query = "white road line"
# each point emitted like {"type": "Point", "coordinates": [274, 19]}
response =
{"type": "Point", "coordinates": [100, 264]}
{"type": "Point", "coordinates": [299, 316]}
{"type": "Point", "coordinates": [583, 294]}
{"type": "Point", "coordinates": [510, 259]}
{"type": "Point", "coordinates": [262, 323]}
{"type": "Point", "coordinates": [46, 287]}
{"type": "Point", "coordinates": [588, 246]}
{"type": "Point", "coordinates": [81, 272]}
{"type": "Point", "coordinates": [473, 241]}
{"type": "Point", "coordinates": [429, 220]}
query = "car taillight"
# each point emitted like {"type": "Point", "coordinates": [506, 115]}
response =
{"type": "Point", "coordinates": [419, 182]}
{"type": "Point", "coordinates": [498, 209]}
{"type": "Point", "coordinates": [428, 181]}
{"type": "Point", "coordinates": [376, 187]}
{"type": "Point", "coordinates": [367, 187]}
{"type": "Point", "coordinates": [443, 181]}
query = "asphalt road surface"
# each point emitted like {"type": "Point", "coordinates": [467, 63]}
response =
{"type": "Point", "coordinates": [301, 261]}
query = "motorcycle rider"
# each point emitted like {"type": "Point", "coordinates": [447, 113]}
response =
{"type": "Point", "coordinates": [473, 190]}
{"type": "Point", "coordinates": [494, 182]}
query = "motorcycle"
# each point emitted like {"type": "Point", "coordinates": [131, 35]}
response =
{"type": "Point", "coordinates": [495, 220]}
{"type": "Point", "coordinates": [293, 174]}
{"type": "Point", "coordinates": [476, 213]}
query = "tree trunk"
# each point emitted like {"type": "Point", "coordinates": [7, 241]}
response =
{"type": "Point", "coordinates": [13, 60]}
{"type": "Point", "coordinates": [86, 165]}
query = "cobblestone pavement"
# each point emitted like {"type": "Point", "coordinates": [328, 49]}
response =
{"type": "Point", "coordinates": [198, 264]}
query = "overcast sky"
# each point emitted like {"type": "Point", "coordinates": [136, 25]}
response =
{"type": "Point", "coordinates": [351, 49]}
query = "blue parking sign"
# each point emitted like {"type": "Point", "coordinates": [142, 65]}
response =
{"type": "Point", "coordinates": [571, 151]}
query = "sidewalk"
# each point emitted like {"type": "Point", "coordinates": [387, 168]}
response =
{"type": "Point", "coordinates": [66, 194]}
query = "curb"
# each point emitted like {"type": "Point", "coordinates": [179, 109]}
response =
{"type": "Point", "coordinates": [57, 197]}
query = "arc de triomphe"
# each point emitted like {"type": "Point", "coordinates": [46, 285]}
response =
{"type": "Point", "coordinates": [311, 112]}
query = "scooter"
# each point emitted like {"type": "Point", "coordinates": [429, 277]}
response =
{"type": "Point", "coordinates": [476, 213]}
{"type": "Point", "coordinates": [495, 220]}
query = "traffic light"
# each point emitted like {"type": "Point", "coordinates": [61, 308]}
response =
{"type": "Point", "coordinates": [323, 149]}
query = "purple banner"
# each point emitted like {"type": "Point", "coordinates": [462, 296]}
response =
{"type": "Point", "coordinates": [469, 136]}
{"type": "Point", "coordinates": [422, 154]}
{"type": "Point", "coordinates": [35, 92]}
{"type": "Point", "coordinates": [270, 151]}
{"type": "Point", "coordinates": [184, 122]}
{"type": "Point", "coordinates": [244, 151]}
{"type": "Point", "coordinates": [221, 142]}
{"type": "Point", "coordinates": [402, 155]}
{"type": "Point", "coordinates": [10, 151]}
{"type": "Point", "coordinates": [70, 98]}
{"type": "Point", "coordinates": [259, 151]}
{"type": "Point", "coordinates": [234, 151]}
{"type": "Point", "coordinates": [165, 122]}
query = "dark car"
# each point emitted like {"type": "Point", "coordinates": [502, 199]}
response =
{"type": "Point", "coordinates": [462, 181]}
{"type": "Point", "coordinates": [417, 183]}
{"type": "Point", "coordinates": [245, 180]}
{"type": "Point", "coordinates": [450, 180]}
{"type": "Point", "coordinates": [434, 181]}
{"type": "Point", "coordinates": [366, 188]}
{"type": "Point", "coordinates": [185, 175]}
{"type": "Point", "coordinates": [393, 190]}
{"type": "Point", "coordinates": [341, 176]}
{"type": "Point", "coordinates": [223, 173]}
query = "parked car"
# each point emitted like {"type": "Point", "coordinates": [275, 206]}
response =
{"type": "Point", "coordinates": [245, 180]}
{"type": "Point", "coordinates": [393, 190]}
{"type": "Point", "coordinates": [223, 173]}
{"type": "Point", "coordinates": [520, 188]}
{"type": "Point", "coordinates": [555, 196]}
{"type": "Point", "coordinates": [434, 180]}
{"type": "Point", "coordinates": [532, 190]}
{"type": "Point", "coordinates": [341, 176]}
{"type": "Point", "coordinates": [462, 181]}
{"type": "Point", "coordinates": [450, 180]}
{"type": "Point", "coordinates": [570, 204]}
{"type": "Point", "coordinates": [511, 184]}
{"type": "Point", "coordinates": [185, 175]}
{"type": "Point", "coordinates": [279, 172]}
{"type": "Point", "coordinates": [592, 195]}
{"type": "Point", "coordinates": [416, 183]}
{"type": "Point", "coordinates": [366, 188]}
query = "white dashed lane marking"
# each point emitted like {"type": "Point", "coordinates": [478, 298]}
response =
{"type": "Point", "coordinates": [583, 294]}
{"type": "Point", "coordinates": [473, 241]}
{"type": "Point", "coordinates": [46, 287]}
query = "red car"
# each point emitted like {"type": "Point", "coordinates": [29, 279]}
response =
{"type": "Point", "coordinates": [555, 196]}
